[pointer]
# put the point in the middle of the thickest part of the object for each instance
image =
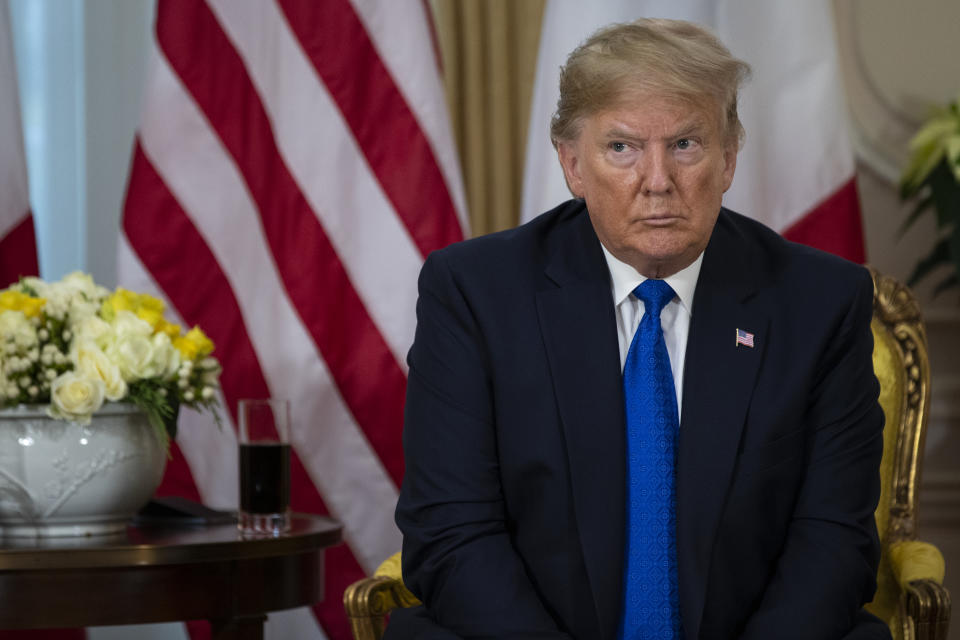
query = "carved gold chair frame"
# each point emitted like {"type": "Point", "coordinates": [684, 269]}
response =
{"type": "Point", "coordinates": [924, 604]}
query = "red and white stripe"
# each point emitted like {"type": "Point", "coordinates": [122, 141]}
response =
{"type": "Point", "coordinates": [294, 166]}
{"type": "Point", "coordinates": [796, 170]}
{"type": "Point", "coordinates": [18, 247]}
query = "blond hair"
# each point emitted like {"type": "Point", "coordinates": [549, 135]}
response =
{"type": "Point", "coordinates": [668, 58]}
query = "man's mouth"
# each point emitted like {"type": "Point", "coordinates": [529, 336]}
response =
{"type": "Point", "coordinates": [661, 220]}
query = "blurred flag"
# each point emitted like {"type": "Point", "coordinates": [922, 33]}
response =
{"type": "Point", "coordinates": [293, 168]}
{"type": "Point", "coordinates": [18, 246]}
{"type": "Point", "coordinates": [796, 171]}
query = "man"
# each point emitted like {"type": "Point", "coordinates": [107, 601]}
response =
{"type": "Point", "coordinates": [712, 474]}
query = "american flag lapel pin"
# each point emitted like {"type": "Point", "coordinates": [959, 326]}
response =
{"type": "Point", "coordinates": [744, 338]}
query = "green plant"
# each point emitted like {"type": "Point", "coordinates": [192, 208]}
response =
{"type": "Point", "coordinates": [932, 179]}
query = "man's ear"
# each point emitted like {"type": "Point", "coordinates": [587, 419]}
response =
{"type": "Point", "coordinates": [730, 166]}
{"type": "Point", "coordinates": [567, 153]}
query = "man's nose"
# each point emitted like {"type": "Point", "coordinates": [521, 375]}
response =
{"type": "Point", "coordinates": [656, 171]}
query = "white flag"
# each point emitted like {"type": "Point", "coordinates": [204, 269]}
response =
{"type": "Point", "coordinates": [796, 170]}
{"type": "Point", "coordinates": [18, 247]}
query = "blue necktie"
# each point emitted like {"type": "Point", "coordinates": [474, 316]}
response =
{"type": "Point", "coordinates": [650, 603]}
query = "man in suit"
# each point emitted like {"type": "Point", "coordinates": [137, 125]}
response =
{"type": "Point", "coordinates": [524, 507]}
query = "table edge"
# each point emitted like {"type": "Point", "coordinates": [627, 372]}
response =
{"type": "Point", "coordinates": [326, 533]}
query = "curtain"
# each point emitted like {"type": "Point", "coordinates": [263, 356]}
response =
{"type": "Point", "coordinates": [489, 54]}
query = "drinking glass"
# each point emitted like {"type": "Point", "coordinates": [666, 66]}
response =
{"type": "Point", "coordinates": [264, 439]}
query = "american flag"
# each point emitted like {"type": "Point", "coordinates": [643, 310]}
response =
{"type": "Point", "coordinates": [18, 248]}
{"type": "Point", "coordinates": [744, 338]}
{"type": "Point", "coordinates": [293, 168]}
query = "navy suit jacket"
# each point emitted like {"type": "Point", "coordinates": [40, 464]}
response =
{"type": "Point", "coordinates": [513, 503]}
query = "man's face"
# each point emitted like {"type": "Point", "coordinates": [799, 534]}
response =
{"type": "Point", "coordinates": [652, 171]}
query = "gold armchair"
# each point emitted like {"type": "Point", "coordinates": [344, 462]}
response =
{"type": "Point", "coordinates": [369, 600]}
{"type": "Point", "coordinates": [910, 596]}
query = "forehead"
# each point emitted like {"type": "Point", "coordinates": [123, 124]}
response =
{"type": "Point", "coordinates": [652, 113]}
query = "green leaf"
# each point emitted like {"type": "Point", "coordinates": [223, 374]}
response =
{"type": "Point", "coordinates": [922, 162]}
{"type": "Point", "coordinates": [953, 241]}
{"type": "Point", "coordinates": [935, 130]}
{"type": "Point", "coordinates": [939, 255]}
{"type": "Point", "coordinates": [933, 142]}
{"type": "Point", "coordinates": [153, 399]}
{"type": "Point", "coordinates": [946, 283]}
{"type": "Point", "coordinates": [952, 146]}
{"type": "Point", "coordinates": [27, 289]}
{"type": "Point", "coordinates": [946, 195]}
{"type": "Point", "coordinates": [170, 421]}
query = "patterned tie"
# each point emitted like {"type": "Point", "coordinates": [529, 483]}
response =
{"type": "Point", "coordinates": [650, 604]}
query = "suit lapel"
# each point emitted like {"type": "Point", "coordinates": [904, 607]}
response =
{"type": "Point", "coordinates": [579, 329]}
{"type": "Point", "coordinates": [718, 383]}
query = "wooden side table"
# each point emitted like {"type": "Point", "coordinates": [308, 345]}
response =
{"type": "Point", "coordinates": [162, 574]}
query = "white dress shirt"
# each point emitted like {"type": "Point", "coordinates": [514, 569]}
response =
{"type": "Point", "coordinates": [674, 319]}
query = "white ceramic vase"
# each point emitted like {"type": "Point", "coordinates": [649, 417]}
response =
{"type": "Point", "coordinates": [61, 478]}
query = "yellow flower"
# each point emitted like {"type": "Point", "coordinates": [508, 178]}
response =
{"type": "Point", "coordinates": [154, 318]}
{"type": "Point", "coordinates": [120, 300]}
{"type": "Point", "coordinates": [172, 330]}
{"type": "Point", "coordinates": [145, 306]}
{"type": "Point", "coordinates": [195, 344]}
{"type": "Point", "coordinates": [147, 301]}
{"type": "Point", "coordinates": [12, 300]}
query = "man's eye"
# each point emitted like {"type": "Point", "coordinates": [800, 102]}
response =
{"type": "Point", "coordinates": [684, 143]}
{"type": "Point", "coordinates": [619, 147]}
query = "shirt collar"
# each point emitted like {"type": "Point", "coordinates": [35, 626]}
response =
{"type": "Point", "coordinates": [624, 279]}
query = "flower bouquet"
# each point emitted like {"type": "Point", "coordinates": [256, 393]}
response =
{"type": "Point", "coordinates": [73, 345]}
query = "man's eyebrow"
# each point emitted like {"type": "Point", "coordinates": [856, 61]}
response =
{"type": "Point", "coordinates": [685, 130]}
{"type": "Point", "coordinates": [623, 134]}
{"type": "Point", "coordinates": [695, 127]}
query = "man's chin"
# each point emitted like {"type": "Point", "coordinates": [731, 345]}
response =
{"type": "Point", "coordinates": [660, 261]}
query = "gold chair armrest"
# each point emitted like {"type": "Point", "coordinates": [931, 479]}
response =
{"type": "Point", "coordinates": [915, 560]}
{"type": "Point", "coordinates": [368, 600]}
{"type": "Point", "coordinates": [927, 603]}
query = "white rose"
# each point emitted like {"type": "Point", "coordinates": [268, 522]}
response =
{"type": "Point", "coordinates": [91, 361]}
{"type": "Point", "coordinates": [128, 344]}
{"type": "Point", "coordinates": [74, 396]}
{"type": "Point", "coordinates": [94, 329]}
{"type": "Point", "coordinates": [139, 356]}
{"type": "Point", "coordinates": [127, 322]}
{"type": "Point", "coordinates": [133, 354]}
{"type": "Point", "coordinates": [166, 356]}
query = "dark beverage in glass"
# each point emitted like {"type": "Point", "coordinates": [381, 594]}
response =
{"type": "Point", "coordinates": [263, 434]}
{"type": "Point", "coordinates": [265, 477]}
